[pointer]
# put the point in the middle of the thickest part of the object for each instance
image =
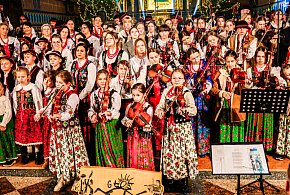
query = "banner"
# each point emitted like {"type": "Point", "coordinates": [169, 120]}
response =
{"type": "Point", "coordinates": [161, 4]}
{"type": "Point", "coordinates": [115, 181]}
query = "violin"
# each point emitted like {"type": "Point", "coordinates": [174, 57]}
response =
{"type": "Point", "coordinates": [180, 98]}
{"type": "Point", "coordinates": [158, 70]}
{"type": "Point", "coordinates": [266, 35]}
{"type": "Point", "coordinates": [136, 112]}
{"type": "Point", "coordinates": [238, 76]}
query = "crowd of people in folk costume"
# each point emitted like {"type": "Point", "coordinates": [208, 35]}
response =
{"type": "Point", "coordinates": [138, 95]}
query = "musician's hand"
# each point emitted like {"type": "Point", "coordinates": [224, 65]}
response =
{"type": "Point", "coordinates": [159, 113]}
{"type": "Point", "coordinates": [227, 95]}
{"type": "Point", "coordinates": [94, 119]}
{"type": "Point", "coordinates": [37, 117]}
{"type": "Point", "coordinates": [129, 123]}
{"type": "Point", "coordinates": [2, 128]}
{"type": "Point", "coordinates": [108, 113]}
{"type": "Point", "coordinates": [147, 128]}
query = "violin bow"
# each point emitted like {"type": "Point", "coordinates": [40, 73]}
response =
{"type": "Point", "coordinates": [260, 42]}
{"type": "Point", "coordinates": [53, 96]}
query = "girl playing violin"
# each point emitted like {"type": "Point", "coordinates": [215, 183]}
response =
{"type": "Point", "coordinates": [258, 74]}
{"type": "Point", "coordinates": [200, 82]}
{"type": "Point", "coordinates": [104, 111]}
{"type": "Point", "coordinates": [67, 148]}
{"type": "Point", "coordinates": [138, 117]}
{"type": "Point", "coordinates": [179, 157]}
{"type": "Point", "coordinates": [231, 122]}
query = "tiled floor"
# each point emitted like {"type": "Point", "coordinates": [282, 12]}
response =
{"type": "Point", "coordinates": [31, 179]}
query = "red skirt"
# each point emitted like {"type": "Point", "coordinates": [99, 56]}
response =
{"type": "Point", "coordinates": [27, 131]}
{"type": "Point", "coordinates": [46, 129]}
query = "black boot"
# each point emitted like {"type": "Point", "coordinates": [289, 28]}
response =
{"type": "Point", "coordinates": [24, 155]}
{"type": "Point", "coordinates": [39, 158]}
{"type": "Point", "coordinates": [185, 185]}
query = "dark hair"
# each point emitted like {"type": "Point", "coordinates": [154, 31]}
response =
{"type": "Point", "coordinates": [82, 44]}
{"type": "Point", "coordinates": [52, 20]}
{"type": "Point", "coordinates": [262, 49]}
{"type": "Point", "coordinates": [187, 22]}
{"type": "Point", "coordinates": [260, 18]}
{"type": "Point", "coordinates": [26, 17]}
{"type": "Point", "coordinates": [153, 50]}
{"type": "Point", "coordinates": [180, 71]}
{"type": "Point", "coordinates": [190, 51]}
{"type": "Point", "coordinates": [89, 25]}
{"type": "Point", "coordinates": [164, 27]}
{"type": "Point", "coordinates": [115, 35]}
{"type": "Point", "coordinates": [63, 27]}
{"type": "Point", "coordinates": [50, 74]}
{"type": "Point", "coordinates": [140, 87]}
{"type": "Point", "coordinates": [231, 53]}
{"type": "Point", "coordinates": [98, 16]}
{"type": "Point", "coordinates": [124, 63]}
{"type": "Point", "coordinates": [65, 76]}
{"type": "Point", "coordinates": [27, 24]}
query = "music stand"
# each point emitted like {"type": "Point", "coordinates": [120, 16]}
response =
{"type": "Point", "coordinates": [263, 101]}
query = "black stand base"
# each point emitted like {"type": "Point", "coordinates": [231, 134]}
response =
{"type": "Point", "coordinates": [261, 182]}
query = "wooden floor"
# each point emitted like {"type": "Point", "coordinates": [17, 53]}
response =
{"type": "Point", "coordinates": [204, 164]}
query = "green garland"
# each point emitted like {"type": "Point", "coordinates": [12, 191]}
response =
{"type": "Point", "coordinates": [89, 8]}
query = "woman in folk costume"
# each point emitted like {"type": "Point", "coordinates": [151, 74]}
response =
{"type": "Point", "coordinates": [257, 130]}
{"type": "Point", "coordinates": [9, 46]}
{"type": "Point", "coordinates": [112, 54]}
{"type": "Point", "coordinates": [129, 45]}
{"type": "Point", "coordinates": [67, 42]}
{"type": "Point", "coordinates": [67, 148]}
{"type": "Point", "coordinates": [228, 91]}
{"type": "Point", "coordinates": [84, 72]}
{"type": "Point", "coordinates": [104, 111]}
{"type": "Point", "coordinates": [8, 153]}
{"type": "Point", "coordinates": [71, 25]}
{"type": "Point", "coordinates": [200, 83]}
{"type": "Point", "coordinates": [6, 74]}
{"type": "Point", "coordinates": [179, 157]}
{"type": "Point", "coordinates": [139, 143]}
{"type": "Point", "coordinates": [283, 142]}
{"type": "Point", "coordinates": [27, 100]}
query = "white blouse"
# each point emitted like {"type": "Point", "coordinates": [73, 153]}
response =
{"type": "Point", "coordinates": [139, 69]}
{"type": "Point", "coordinates": [6, 110]}
{"type": "Point", "coordinates": [116, 84]}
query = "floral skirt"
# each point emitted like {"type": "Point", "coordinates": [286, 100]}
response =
{"type": "Point", "coordinates": [67, 151]}
{"type": "Point", "coordinates": [179, 157]}
{"type": "Point", "coordinates": [109, 145]}
{"type": "Point", "coordinates": [140, 152]}
{"type": "Point", "coordinates": [7, 145]}
{"type": "Point", "coordinates": [27, 131]}
{"type": "Point", "coordinates": [283, 142]}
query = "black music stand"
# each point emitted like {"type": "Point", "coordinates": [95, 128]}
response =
{"type": "Point", "coordinates": [263, 101]}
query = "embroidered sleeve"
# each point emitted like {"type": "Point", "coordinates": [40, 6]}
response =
{"type": "Point", "coordinates": [116, 105]}
{"type": "Point", "coordinates": [190, 104]}
{"type": "Point", "coordinates": [252, 49]}
{"type": "Point", "coordinates": [161, 104]}
{"type": "Point", "coordinates": [14, 99]}
{"type": "Point", "coordinates": [7, 113]}
{"type": "Point", "coordinates": [69, 59]}
{"type": "Point", "coordinates": [70, 107]}
{"type": "Point", "coordinates": [39, 80]}
{"type": "Point", "coordinates": [125, 119]}
{"type": "Point", "coordinates": [92, 72]}
{"type": "Point", "coordinates": [91, 111]}
{"type": "Point", "coordinates": [37, 98]}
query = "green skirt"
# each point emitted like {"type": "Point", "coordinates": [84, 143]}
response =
{"type": "Point", "coordinates": [230, 131]}
{"type": "Point", "coordinates": [109, 145]}
{"type": "Point", "coordinates": [7, 144]}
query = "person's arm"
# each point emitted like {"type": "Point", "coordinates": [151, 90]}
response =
{"type": "Point", "coordinates": [39, 80]}
{"type": "Point", "coordinates": [70, 107]}
{"type": "Point", "coordinates": [116, 106]}
{"type": "Point", "coordinates": [7, 112]}
{"type": "Point", "coordinates": [92, 72]}
{"type": "Point", "coordinates": [37, 98]}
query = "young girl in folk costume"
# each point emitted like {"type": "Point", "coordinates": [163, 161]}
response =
{"type": "Point", "coordinates": [200, 82]}
{"type": "Point", "coordinates": [84, 72]}
{"type": "Point", "coordinates": [255, 125]}
{"type": "Point", "coordinates": [49, 86]}
{"type": "Point", "coordinates": [8, 153]}
{"type": "Point", "coordinates": [228, 90]}
{"type": "Point", "coordinates": [105, 106]}
{"type": "Point", "coordinates": [139, 143]}
{"type": "Point", "coordinates": [71, 25]}
{"type": "Point", "coordinates": [27, 100]}
{"type": "Point", "coordinates": [6, 74]}
{"type": "Point", "coordinates": [129, 45]}
{"type": "Point", "coordinates": [67, 149]}
{"type": "Point", "coordinates": [283, 142]}
{"type": "Point", "coordinates": [139, 62]}
{"type": "Point", "coordinates": [67, 42]}
{"type": "Point", "coordinates": [179, 157]}
{"type": "Point", "coordinates": [36, 74]}
{"type": "Point", "coordinates": [112, 54]}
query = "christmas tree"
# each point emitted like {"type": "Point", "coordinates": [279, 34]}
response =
{"type": "Point", "coordinates": [89, 8]}
{"type": "Point", "coordinates": [218, 7]}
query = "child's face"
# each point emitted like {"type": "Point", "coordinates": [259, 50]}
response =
{"type": "Point", "coordinates": [177, 79]}
{"type": "Point", "coordinates": [42, 46]}
{"type": "Point", "coordinates": [134, 33]}
{"type": "Point", "coordinates": [101, 81]}
{"type": "Point", "coordinates": [22, 77]}
{"type": "Point", "coordinates": [195, 58]}
{"type": "Point", "coordinates": [122, 70]}
{"type": "Point", "coordinates": [154, 58]}
{"type": "Point", "coordinates": [29, 59]}
{"type": "Point", "coordinates": [137, 95]}
{"type": "Point", "coordinates": [54, 61]}
{"type": "Point", "coordinates": [56, 43]}
{"type": "Point", "coordinates": [140, 47]}
{"type": "Point", "coordinates": [60, 84]}
{"type": "Point", "coordinates": [25, 47]}
{"type": "Point", "coordinates": [164, 34]}
{"type": "Point", "coordinates": [48, 83]}
{"type": "Point", "coordinates": [5, 65]}
{"type": "Point", "coordinates": [231, 62]}
{"type": "Point", "coordinates": [287, 73]}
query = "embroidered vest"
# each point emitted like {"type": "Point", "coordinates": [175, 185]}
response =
{"type": "Point", "coordinates": [33, 73]}
{"type": "Point", "coordinates": [80, 81]}
{"type": "Point", "coordinates": [25, 100]}
{"type": "Point", "coordinates": [114, 64]}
